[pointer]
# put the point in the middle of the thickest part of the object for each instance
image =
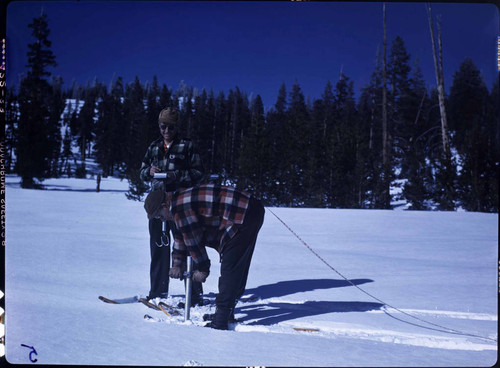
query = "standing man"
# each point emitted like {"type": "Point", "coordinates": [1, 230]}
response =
{"type": "Point", "coordinates": [222, 218]}
{"type": "Point", "coordinates": [177, 158]}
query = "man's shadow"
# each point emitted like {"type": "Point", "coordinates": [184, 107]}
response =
{"type": "Point", "coordinates": [276, 312]}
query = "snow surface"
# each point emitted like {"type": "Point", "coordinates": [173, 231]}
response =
{"type": "Point", "coordinates": [67, 245]}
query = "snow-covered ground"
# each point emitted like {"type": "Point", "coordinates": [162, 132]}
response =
{"type": "Point", "coordinates": [67, 245]}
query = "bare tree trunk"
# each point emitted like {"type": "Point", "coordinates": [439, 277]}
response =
{"type": "Point", "coordinates": [233, 141]}
{"type": "Point", "coordinates": [384, 96]}
{"type": "Point", "coordinates": [420, 108]}
{"type": "Point", "coordinates": [385, 194]}
{"type": "Point", "coordinates": [83, 150]}
{"type": "Point", "coordinates": [372, 118]}
{"type": "Point", "coordinates": [212, 153]}
{"type": "Point", "coordinates": [446, 200]}
{"type": "Point", "coordinates": [438, 67]}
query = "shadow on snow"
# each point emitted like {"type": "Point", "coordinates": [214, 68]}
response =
{"type": "Point", "coordinates": [283, 288]}
{"type": "Point", "coordinates": [66, 188]}
{"type": "Point", "coordinates": [276, 312]}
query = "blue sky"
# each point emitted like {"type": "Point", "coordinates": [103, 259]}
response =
{"type": "Point", "coordinates": [256, 46]}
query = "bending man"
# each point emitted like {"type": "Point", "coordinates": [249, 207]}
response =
{"type": "Point", "coordinates": [222, 218]}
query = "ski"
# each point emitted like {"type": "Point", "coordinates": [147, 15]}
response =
{"type": "Point", "coordinates": [133, 299]}
{"type": "Point", "coordinates": [106, 300]}
{"type": "Point", "coordinates": [148, 304]}
{"type": "Point", "coordinates": [169, 310]}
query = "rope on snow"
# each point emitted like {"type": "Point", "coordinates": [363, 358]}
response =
{"type": "Point", "coordinates": [444, 328]}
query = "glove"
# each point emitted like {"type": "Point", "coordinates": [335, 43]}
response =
{"type": "Point", "coordinates": [171, 176]}
{"type": "Point", "coordinates": [200, 276]}
{"type": "Point", "coordinates": [176, 273]}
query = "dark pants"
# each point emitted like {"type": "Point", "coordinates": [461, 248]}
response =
{"type": "Point", "coordinates": [160, 261]}
{"type": "Point", "coordinates": [237, 255]}
{"type": "Point", "coordinates": [160, 264]}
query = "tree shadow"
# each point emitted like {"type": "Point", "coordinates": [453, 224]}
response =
{"type": "Point", "coordinates": [276, 312]}
{"type": "Point", "coordinates": [283, 288]}
{"type": "Point", "coordinates": [273, 313]}
{"type": "Point", "coordinates": [65, 188]}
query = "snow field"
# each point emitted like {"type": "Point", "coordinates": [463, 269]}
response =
{"type": "Point", "coordinates": [68, 244]}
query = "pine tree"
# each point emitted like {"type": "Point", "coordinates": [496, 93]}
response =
{"type": "Point", "coordinates": [109, 129]}
{"type": "Point", "coordinates": [134, 125]}
{"type": "Point", "coordinates": [183, 99]}
{"type": "Point", "coordinates": [35, 140]}
{"type": "Point", "coordinates": [371, 102]}
{"type": "Point", "coordinates": [276, 120]}
{"type": "Point", "coordinates": [154, 106]}
{"type": "Point", "coordinates": [365, 117]}
{"type": "Point", "coordinates": [210, 133]}
{"type": "Point", "coordinates": [322, 116]}
{"type": "Point", "coordinates": [40, 55]}
{"type": "Point", "coordinates": [473, 136]}
{"type": "Point", "coordinates": [136, 142]}
{"type": "Point", "coordinates": [296, 145]}
{"type": "Point", "coordinates": [166, 98]}
{"type": "Point", "coordinates": [344, 141]}
{"type": "Point", "coordinates": [202, 125]}
{"type": "Point", "coordinates": [84, 128]}
{"type": "Point", "coordinates": [255, 158]}
{"type": "Point", "coordinates": [384, 196]}
{"type": "Point", "coordinates": [67, 152]}
{"type": "Point", "coordinates": [408, 98]}
{"type": "Point", "coordinates": [401, 106]}
{"type": "Point", "coordinates": [414, 148]}
{"type": "Point", "coordinates": [238, 124]}
{"type": "Point", "coordinates": [219, 133]}
{"type": "Point", "coordinates": [493, 155]}
{"type": "Point", "coordinates": [11, 133]}
{"type": "Point", "coordinates": [56, 108]}
{"type": "Point", "coordinates": [365, 163]}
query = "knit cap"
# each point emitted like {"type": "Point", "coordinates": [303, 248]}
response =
{"type": "Point", "coordinates": [153, 202]}
{"type": "Point", "coordinates": [168, 116]}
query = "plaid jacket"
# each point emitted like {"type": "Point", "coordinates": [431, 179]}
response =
{"type": "Point", "coordinates": [180, 157]}
{"type": "Point", "coordinates": [206, 215]}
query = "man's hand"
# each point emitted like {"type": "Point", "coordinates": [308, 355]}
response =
{"type": "Point", "coordinates": [153, 170]}
{"type": "Point", "coordinates": [200, 276]}
{"type": "Point", "coordinates": [170, 177]}
{"type": "Point", "coordinates": [176, 273]}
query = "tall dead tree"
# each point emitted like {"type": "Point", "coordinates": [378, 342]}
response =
{"type": "Point", "coordinates": [384, 96]}
{"type": "Point", "coordinates": [446, 174]}
{"type": "Point", "coordinates": [386, 160]}
{"type": "Point", "coordinates": [438, 67]}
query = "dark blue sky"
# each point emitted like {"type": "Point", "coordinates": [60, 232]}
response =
{"type": "Point", "coordinates": [256, 46]}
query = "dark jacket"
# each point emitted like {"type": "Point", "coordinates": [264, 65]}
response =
{"type": "Point", "coordinates": [181, 158]}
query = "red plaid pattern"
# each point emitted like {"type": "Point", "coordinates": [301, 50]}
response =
{"type": "Point", "coordinates": [206, 215]}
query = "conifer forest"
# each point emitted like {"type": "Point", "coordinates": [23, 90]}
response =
{"type": "Point", "coordinates": [336, 151]}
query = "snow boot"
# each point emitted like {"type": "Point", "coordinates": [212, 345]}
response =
{"type": "Point", "coordinates": [211, 317]}
{"type": "Point", "coordinates": [221, 319]}
{"type": "Point", "coordinates": [196, 294]}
